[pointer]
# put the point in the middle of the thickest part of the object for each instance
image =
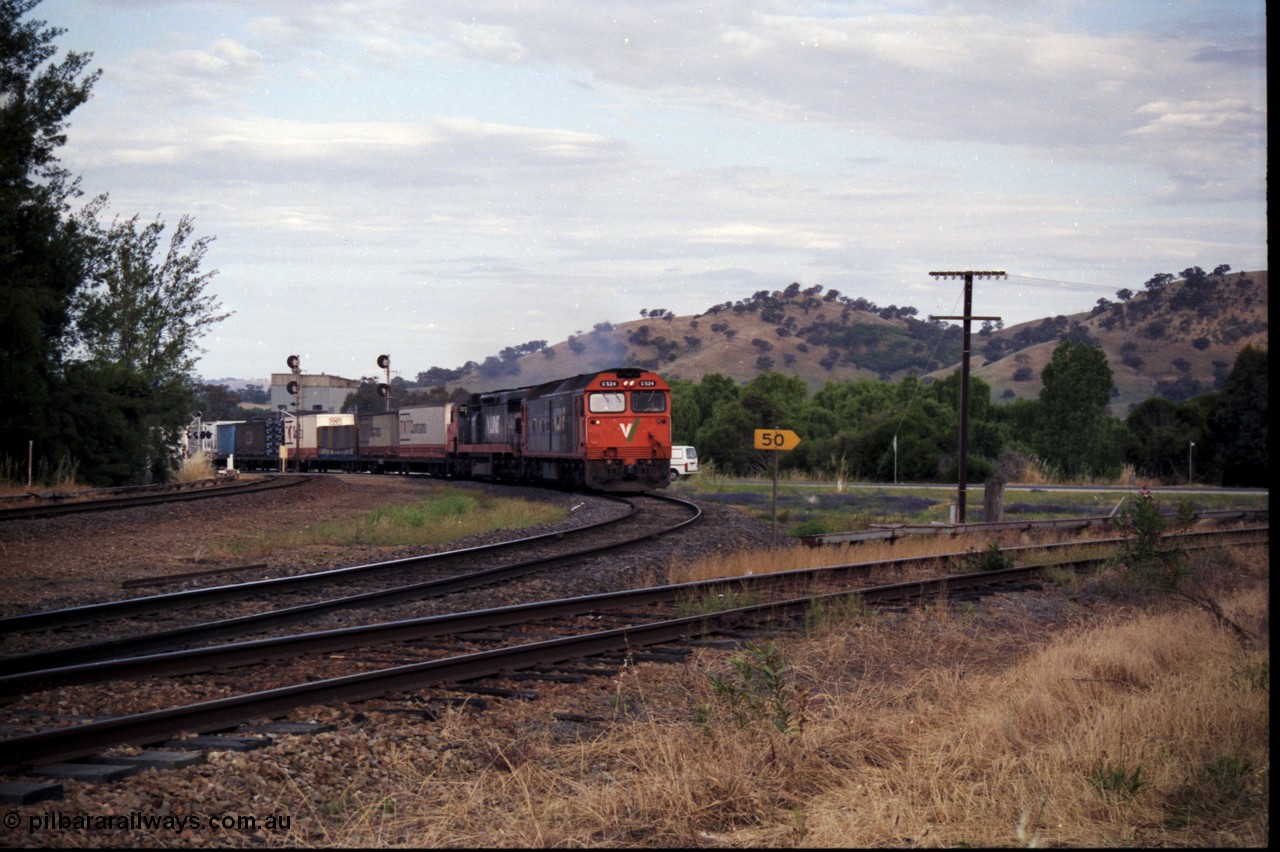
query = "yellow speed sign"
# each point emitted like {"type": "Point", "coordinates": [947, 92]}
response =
{"type": "Point", "coordinates": [776, 439]}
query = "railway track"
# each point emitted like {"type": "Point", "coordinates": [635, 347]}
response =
{"type": "Point", "coordinates": [645, 618]}
{"type": "Point", "coordinates": [128, 497]}
{"type": "Point", "coordinates": [180, 619]}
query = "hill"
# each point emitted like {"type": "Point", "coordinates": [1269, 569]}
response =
{"type": "Point", "coordinates": [1175, 338]}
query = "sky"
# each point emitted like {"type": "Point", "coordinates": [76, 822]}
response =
{"type": "Point", "coordinates": [440, 180]}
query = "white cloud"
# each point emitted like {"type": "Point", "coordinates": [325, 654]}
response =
{"type": "Point", "coordinates": [576, 162]}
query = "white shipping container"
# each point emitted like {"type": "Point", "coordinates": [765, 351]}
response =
{"type": "Point", "coordinates": [310, 423]}
{"type": "Point", "coordinates": [423, 426]}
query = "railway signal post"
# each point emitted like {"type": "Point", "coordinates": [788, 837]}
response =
{"type": "Point", "coordinates": [775, 440]}
{"type": "Point", "coordinates": [295, 388]}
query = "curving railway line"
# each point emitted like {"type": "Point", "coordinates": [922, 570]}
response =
{"type": "Point", "coordinates": [325, 594]}
{"type": "Point", "coordinates": [132, 496]}
{"type": "Point", "coordinates": [456, 647]}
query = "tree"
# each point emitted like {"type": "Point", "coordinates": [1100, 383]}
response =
{"type": "Point", "coordinates": [1074, 432]}
{"type": "Point", "coordinates": [1240, 422]}
{"type": "Point", "coordinates": [1159, 436]}
{"type": "Point", "coordinates": [217, 402]}
{"type": "Point", "coordinates": [143, 313]}
{"type": "Point", "coordinates": [685, 414]}
{"type": "Point", "coordinates": [138, 317]}
{"type": "Point", "coordinates": [42, 249]}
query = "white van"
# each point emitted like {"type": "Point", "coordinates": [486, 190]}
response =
{"type": "Point", "coordinates": [684, 461]}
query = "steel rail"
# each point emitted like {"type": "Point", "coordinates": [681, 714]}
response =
{"type": "Point", "coordinates": [65, 672]}
{"type": "Point", "coordinates": [113, 503]}
{"type": "Point", "coordinates": [895, 531]}
{"type": "Point", "coordinates": [165, 639]}
{"type": "Point", "coordinates": [61, 744]}
{"type": "Point", "coordinates": [30, 750]}
{"type": "Point", "coordinates": [86, 613]}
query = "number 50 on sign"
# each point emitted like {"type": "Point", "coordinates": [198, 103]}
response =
{"type": "Point", "coordinates": [776, 439]}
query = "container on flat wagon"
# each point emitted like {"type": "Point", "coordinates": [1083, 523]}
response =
{"type": "Point", "coordinates": [225, 435]}
{"type": "Point", "coordinates": [302, 433]}
{"type": "Point", "coordinates": [337, 442]}
{"type": "Point", "coordinates": [424, 430]}
{"type": "Point", "coordinates": [251, 439]}
{"type": "Point", "coordinates": [379, 433]}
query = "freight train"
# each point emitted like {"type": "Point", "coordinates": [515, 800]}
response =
{"type": "Point", "coordinates": [608, 430]}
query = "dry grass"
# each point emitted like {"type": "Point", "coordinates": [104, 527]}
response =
{"type": "Point", "coordinates": [938, 727]}
{"type": "Point", "coordinates": [195, 468]}
{"type": "Point", "coordinates": [748, 562]}
{"type": "Point", "coordinates": [60, 477]}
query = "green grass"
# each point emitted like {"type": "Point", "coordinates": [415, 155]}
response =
{"type": "Point", "coordinates": [440, 518]}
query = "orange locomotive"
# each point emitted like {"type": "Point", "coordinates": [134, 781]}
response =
{"type": "Point", "coordinates": [608, 430]}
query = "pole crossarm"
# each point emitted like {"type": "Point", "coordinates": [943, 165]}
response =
{"type": "Point", "coordinates": [993, 273]}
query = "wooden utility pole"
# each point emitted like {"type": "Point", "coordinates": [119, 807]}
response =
{"type": "Point", "coordinates": [968, 317]}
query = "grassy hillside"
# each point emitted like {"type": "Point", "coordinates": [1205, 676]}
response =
{"type": "Point", "coordinates": [1175, 339]}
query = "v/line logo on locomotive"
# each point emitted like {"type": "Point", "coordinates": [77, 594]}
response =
{"type": "Point", "coordinates": [608, 430]}
{"type": "Point", "coordinates": [630, 429]}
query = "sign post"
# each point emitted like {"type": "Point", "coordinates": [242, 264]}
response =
{"type": "Point", "coordinates": [775, 440]}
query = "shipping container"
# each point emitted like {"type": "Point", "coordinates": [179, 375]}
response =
{"type": "Point", "coordinates": [301, 434]}
{"type": "Point", "coordinates": [251, 439]}
{"type": "Point", "coordinates": [225, 434]}
{"type": "Point", "coordinates": [424, 429]}
{"type": "Point", "coordinates": [379, 433]}
{"type": "Point", "coordinates": [336, 442]}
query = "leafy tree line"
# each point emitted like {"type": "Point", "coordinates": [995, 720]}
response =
{"type": "Point", "coordinates": [99, 320]}
{"type": "Point", "coordinates": [851, 428]}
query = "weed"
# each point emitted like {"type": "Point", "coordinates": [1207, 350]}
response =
{"type": "Point", "coordinates": [757, 688]}
{"type": "Point", "coordinates": [835, 610]}
{"type": "Point", "coordinates": [195, 468]}
{"type": "Point", "coordinates": [1220, 790]}
{"type": "Point", "coordinates": [718, 602]}
{"type": "Point", "coordinates": [813, 526]}
{"type": "Point", "coordinates": [1143, 562]}
{"type": "Point", "coordinates": [1116, 780]}
{"type": "Point", "coordinates": [991, 559]}
{"type": "Point", "coordinates": [1255, 674]}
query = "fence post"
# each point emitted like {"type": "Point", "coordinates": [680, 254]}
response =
{"type": "Point", "coordinates": [993, 500]}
